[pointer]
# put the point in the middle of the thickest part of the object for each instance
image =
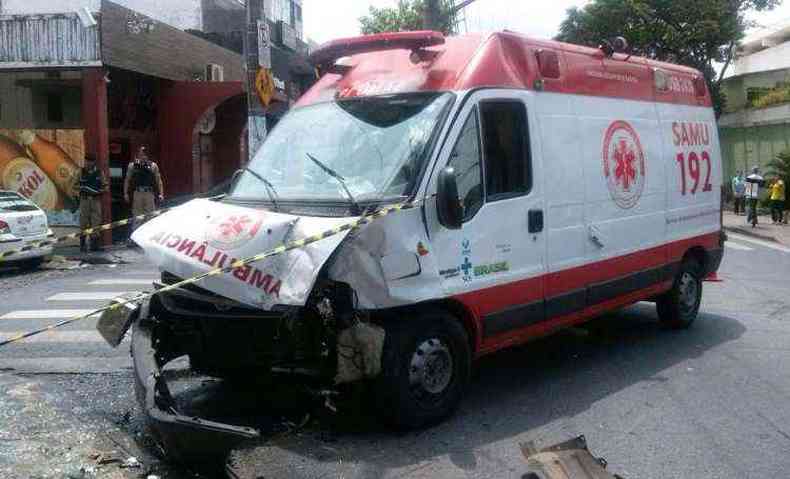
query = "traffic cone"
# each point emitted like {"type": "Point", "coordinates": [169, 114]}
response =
{"type": "Point", "coordinates": [713, 278]}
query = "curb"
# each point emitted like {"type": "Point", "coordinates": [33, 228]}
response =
{"type": "Point", "coordinates": [748, 232]}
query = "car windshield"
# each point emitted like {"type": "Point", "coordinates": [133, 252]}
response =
{"type": "Point", "coordinates": [375, 146]}
{"type": "Point", "coordinates": [12, 202]}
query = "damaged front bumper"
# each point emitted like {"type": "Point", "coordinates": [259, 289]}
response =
{"type": "Point", "coordinates": [184, 438]}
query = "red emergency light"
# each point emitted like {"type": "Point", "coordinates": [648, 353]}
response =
{"type": "Point", "coordinates": [329, 52]}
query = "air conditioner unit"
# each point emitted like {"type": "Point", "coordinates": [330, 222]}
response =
{"type": "Point", "coordinates": [214, 72]}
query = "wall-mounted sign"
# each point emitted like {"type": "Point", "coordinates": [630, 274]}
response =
{"type": "Point", "coordinates": [264, 45]}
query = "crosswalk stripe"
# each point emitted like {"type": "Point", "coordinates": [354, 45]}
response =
{"type": "Point", "coordinates": [738, 246]}
{"type": "Point", "coordinates": [57, 337]}
{"type": "Point", "coordinates": [122, 282]}
{"type": "Point", "coordinates": [46, 314]}
{"type": "Point", "coordinates": [766, 244]}
{"type": "Point", "coordinates": [89, 296]}
{"type": "Point", "coordinates": [68, 365]}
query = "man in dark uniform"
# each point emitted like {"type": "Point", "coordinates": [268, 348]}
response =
{"type": "Point", "coordinates": [143, 186]}
{"type": "Point", "coordinates": [91, 184]}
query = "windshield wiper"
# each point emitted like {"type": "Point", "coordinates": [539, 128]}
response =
{"type": "Point", "coordinates": [270, 190]}
{"type": "Point", "coordinates": [340, 179]}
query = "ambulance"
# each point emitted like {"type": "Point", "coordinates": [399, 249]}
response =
{"type": "Point", "coordinates": [543, 184]}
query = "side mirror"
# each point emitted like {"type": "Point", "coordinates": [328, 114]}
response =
{"type": "Point", "coordinates": [451, 213]}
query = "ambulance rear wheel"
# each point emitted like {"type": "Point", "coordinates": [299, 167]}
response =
{"type": "Point", "coordinates": [678, 307]}
{"type": "Point", "coordinates": [425, 369]}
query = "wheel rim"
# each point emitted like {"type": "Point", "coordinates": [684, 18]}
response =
{"type": "Point", "coordinates": [431, 368]}
{"type": "Point", "coordinates": [689, 292]}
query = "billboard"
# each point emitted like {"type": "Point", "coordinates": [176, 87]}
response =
{"type": "Point", "coordinates": [43, 165]}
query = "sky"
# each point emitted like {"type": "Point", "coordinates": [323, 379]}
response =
{"type": "Point", "coordinates": [323, 20]}
{"type": "Point", "coordinates": [328, 19]}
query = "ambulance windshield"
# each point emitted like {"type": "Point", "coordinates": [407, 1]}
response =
{"type": "Point", "coordinates": [377, 145]}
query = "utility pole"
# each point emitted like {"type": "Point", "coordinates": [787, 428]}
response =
{"type": "Point", "coordinates": [432, 19]}
{"type": "Point", "coordinates": [258, 63]}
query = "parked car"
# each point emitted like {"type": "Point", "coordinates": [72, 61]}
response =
{"type": "Point", "coordinates": [22, 223]}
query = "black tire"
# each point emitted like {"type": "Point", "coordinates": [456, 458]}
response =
{"type": "Point", "coordinates": [678, 307]}
{"type": "Point", "coordinates": [425, 369]}
{"type": "Point", "coordinates": [31, 264]}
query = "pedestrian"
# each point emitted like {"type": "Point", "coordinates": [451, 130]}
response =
{"type": "Point", "coordinates": [739, 190]}
{"type": "Point", "coordinates": [143, 186]}
{"type": "Point", "coordinates": [777, 201]}
{"type": "Point", "coordinates": [91, 183]}
{"type": "Point", "coordinates": [752, 193]}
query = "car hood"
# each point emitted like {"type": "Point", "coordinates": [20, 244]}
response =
{"type": "Point", "coordinates": [202, 235]}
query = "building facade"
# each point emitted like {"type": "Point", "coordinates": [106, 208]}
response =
{"type": "Point", "coordinates": [105, 84]}
{"type": "Point", "coordinates": [755, 125]}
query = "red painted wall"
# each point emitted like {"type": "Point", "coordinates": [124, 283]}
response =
{"type": "Point", "coordinates": [97, 137]}
{"type": "Point", "coordinates": [180, 107]}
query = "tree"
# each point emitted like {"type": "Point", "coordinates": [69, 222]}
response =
{"type": "Point", "coordinates": [408, 15]}
{"type": "Point", "coordinates": [699, 34]}
{"type": "Point", "coordinates": [779, 166]}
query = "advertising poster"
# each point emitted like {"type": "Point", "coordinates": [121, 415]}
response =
{"type": "Point", "coordinates": [43, 165]}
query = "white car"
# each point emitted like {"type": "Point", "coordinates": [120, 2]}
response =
{"type": "Point", "coordinates": [22, 223]}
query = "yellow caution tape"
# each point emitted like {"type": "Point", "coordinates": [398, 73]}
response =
{"type": "Point", "coordinates": [285, 247]}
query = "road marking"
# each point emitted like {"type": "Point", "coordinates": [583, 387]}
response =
{"type": "Point", "coordinates": [94, 296]}
{"type": "Point", "coordinates": [738, 246]}
{"type": "Point", "coordinates": [119, 282]}
{"type": "Point", "coordinates": [57, 337]}
{"type": "Point", "coordinates": [68, 365]}
{"type": "Point", "coordinates": [46, 314]}
{"type": "Point", "coordinates": [766, 244]}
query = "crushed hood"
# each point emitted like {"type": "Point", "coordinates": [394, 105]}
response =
{"type": "Point", "coordinates": [202, 235]}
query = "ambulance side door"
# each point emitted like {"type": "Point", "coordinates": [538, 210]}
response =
{"type": "Point", "coordinates": [495, 263]}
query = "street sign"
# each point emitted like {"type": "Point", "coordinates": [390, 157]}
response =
{"type": "Point", "coordinates": [264, 85]}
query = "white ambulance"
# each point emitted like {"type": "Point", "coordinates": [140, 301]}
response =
{"type": "Point", "coordinates": [549, 184]}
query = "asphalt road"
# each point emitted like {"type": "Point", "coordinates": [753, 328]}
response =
{"type": "Point", "coordinates": [710, 402]}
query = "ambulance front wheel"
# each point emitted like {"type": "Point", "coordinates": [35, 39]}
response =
{"type": "Point", "coordinates": [678, 307]}
{"type": "Point", "coordinates": [425, 369]}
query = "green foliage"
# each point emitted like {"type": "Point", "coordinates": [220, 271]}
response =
{"type": "Point", "coordinates": [698, 34]}
{"type": "Point", "coordinates": [771, 96]}
{"type": "Point", "coordinates": [408, 15]}
{"type": "Point", "coordinates": [780, 166]}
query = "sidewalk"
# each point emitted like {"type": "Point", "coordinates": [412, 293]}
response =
{"type": "Point", "coordinates": [764, 230]}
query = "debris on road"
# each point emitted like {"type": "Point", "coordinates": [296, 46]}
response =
{"type": "Point", "coordinates": [567, 460]}
{"type": "Point", "coordinates": [131, 463]}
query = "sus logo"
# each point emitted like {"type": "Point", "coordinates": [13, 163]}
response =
{"type": "Point", "coordinates": [228, 232]}
{"type": "Point", "coordinates": [624, 164]}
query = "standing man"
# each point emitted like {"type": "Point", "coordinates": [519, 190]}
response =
{"type": "Point", "coordinates": [777, 201]}
{"type": "Point", "coordinates": [144, 183]}
{"type": "Point", "coordinates": [90, 184]}
{"type": "Point", "coordinates": [753, 184]}
{"type": "Point", "coordinates": [739, 190]}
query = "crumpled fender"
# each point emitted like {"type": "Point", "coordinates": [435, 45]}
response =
{"type": "Point", "coordinates": [384, 265]}
{"type": "Point", "coordinates": [202, 235]}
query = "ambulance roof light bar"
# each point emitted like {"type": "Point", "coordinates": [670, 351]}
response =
{"type": "Point", "coordinates": [328, 53]}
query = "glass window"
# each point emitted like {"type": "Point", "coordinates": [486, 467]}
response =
{"type": "Point", "coordinates": [377, 145]}
{"type": "Point", "coordinates": [506, 148]}
{"type": "Point", "coordinates": [12, 202]}
{"type": "Point", "coordinates": [465, 158]}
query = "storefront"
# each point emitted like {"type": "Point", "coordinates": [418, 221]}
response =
{"type": "Point", "coordinates": [103, 85]}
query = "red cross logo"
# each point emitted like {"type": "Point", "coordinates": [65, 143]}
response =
{"type": "Point", "coordinates": [624, 170]}
{"type": "Point", "coordinates": [623, 164]}
{"type": "Point", "coordinates": [233, 226]}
